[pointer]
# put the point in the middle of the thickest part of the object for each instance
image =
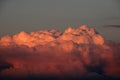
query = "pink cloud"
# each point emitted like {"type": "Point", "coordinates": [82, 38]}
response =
{"type": "Point", "coordinates": [74, 54]}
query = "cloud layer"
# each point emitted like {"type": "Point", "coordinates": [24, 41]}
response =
{"type": "Point", "coordinates": [49, 54]}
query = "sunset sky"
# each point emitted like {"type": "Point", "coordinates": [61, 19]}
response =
{"type": "Point", "coordinates": [32, 15]}
{"type": "Point", "coordinates": [60, 39]}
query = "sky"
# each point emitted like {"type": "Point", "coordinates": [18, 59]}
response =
{"type": "Point", "coordinates": [33, 15]}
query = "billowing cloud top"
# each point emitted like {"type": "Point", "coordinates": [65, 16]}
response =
{"type": "Point", "coordinates": [75, 54]}
{"type": "Point", "coordinates": [81, 35]}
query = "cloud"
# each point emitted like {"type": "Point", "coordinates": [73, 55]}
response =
{"type": "Point", "coordinates": [82, 35]}
{"type": "Point", "coordinates": [74, 54]}
{"type": "Point", "coordinates": [115, 26]}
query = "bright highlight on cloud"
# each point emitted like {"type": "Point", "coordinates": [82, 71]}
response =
{"type": "Point", "coordinates": [79, 53]}
{"type": "Point", "coordinates": [82, 35]}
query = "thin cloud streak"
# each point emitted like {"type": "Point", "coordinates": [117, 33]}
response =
{"type": "Point", "coordinates": [115, 26]}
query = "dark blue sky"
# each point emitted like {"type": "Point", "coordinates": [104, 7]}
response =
{"type": "Point", "coordinates": [31, 15]}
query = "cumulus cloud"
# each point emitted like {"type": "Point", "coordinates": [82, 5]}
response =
{"type": "Point", "coordinates": [49, 54]}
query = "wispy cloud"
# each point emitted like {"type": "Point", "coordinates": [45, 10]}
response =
{"type": "Point", "coordinates": [115, 26]}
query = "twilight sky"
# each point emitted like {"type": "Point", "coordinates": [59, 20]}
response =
{"type": "Point", "coordinates": [31, 15]}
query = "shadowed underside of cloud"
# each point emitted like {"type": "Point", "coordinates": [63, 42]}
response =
{"type": "Point", "coordinates": [74, 54]}
{"type": "Point", "coordinates": [115, 26]}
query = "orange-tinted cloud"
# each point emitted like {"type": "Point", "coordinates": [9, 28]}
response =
{"type": "Point", "coordinates": [74, 54]}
